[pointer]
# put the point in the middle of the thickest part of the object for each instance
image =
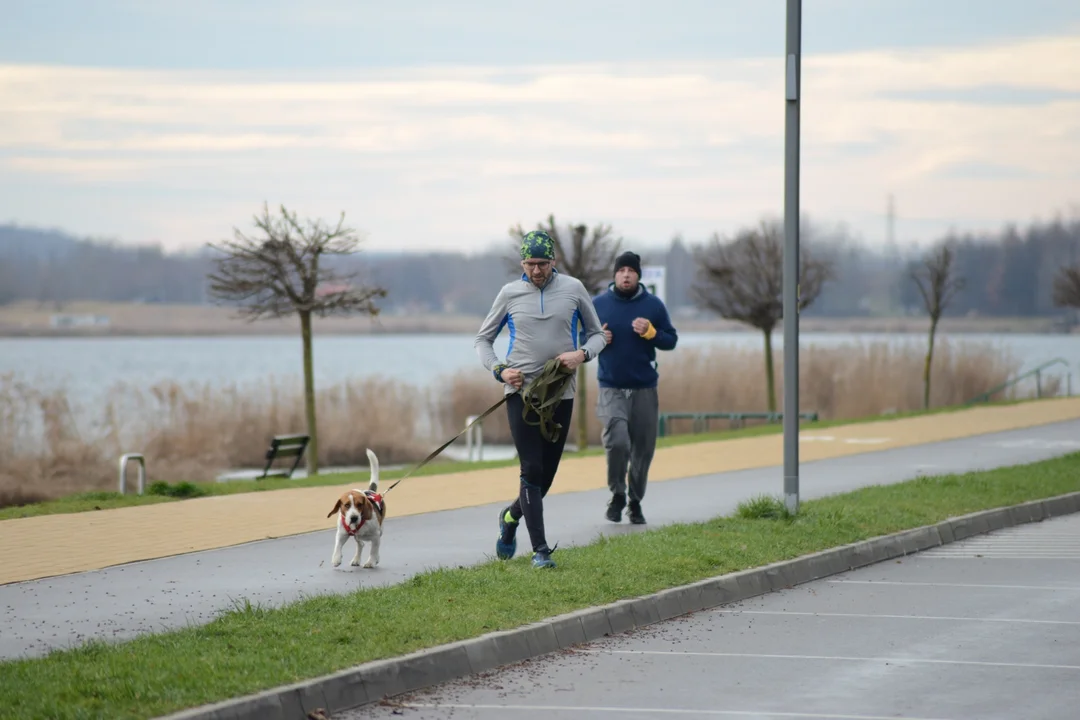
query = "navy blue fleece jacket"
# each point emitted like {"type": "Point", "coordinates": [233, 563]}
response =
{"type": "Point", "coordinates": [630, 360]}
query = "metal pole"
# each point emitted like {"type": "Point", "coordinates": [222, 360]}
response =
{"type": "Point", "coordinates": [791, 255]}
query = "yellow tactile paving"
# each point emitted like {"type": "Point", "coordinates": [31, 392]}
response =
{"type": "Point", "coordinates": [58, 544]}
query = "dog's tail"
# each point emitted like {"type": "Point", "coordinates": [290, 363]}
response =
{"type": "Point", "coordinates": [374, 485]}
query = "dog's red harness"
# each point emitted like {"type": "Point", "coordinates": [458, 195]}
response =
{"type": "Point", "coordinates": [375, 498]}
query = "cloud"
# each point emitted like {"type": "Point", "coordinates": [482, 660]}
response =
{"type": "Point", "coordinates": [284, 36]}
{"type": "Point", "coordinates": [990, 95]}
{"type": "Point", "coordinates": [464, 152]}
{"type": "Point", "coordinates": [985, 171]}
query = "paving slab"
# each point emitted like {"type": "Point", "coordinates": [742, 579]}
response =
{"type": "Point", "coordinates": [122, 602]}
{"type": "Point", "coordinates": [965, 631]}
{"type": "Point", "coordinates": [108, 538]}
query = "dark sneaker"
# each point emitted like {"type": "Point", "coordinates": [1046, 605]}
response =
{"type": "Point", "coordinates": [634, 513]}
{"type": "Point", "coordinates": [615, 508]}
{"type": "Point", "coordinates": [506, 545]}
{"type": "Point", "coordinates": [542, 558]}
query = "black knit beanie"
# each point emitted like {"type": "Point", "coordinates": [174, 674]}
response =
{"type": "Point", "coordinates": [629, 259]}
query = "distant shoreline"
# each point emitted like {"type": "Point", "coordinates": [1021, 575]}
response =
{"type": "Point", "coordinates": [127, 320]}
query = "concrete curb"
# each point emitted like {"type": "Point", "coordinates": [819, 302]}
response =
{"type": "Point", "coordinates": [376, 680]}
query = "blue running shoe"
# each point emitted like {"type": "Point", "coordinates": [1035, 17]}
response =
{"type": "Point", "coordinates": [542, 558]}
{"type": "Point", "coordinates": [506, 545]}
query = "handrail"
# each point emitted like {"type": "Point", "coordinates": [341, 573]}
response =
{"type": "Point", "coordinates": [474, 438]}
{"type": "Point", "coordinates": [738, 419]}
{"type": "Point", "coordinates": [123, 470]}
{"type": "Point", "coordinates": [1036, 371]}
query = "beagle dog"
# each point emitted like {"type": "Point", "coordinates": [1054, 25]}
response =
{"type": "Point", "coordinates": [360, 516]}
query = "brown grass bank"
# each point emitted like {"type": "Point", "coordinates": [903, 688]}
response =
{"type": "Point", "coordinates": [194, 432]}
{"type": "Point", "coordinates": [32, 319]}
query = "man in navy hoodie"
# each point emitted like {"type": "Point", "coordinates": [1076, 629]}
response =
{"type": "Point", "coordinates": [636, 324]}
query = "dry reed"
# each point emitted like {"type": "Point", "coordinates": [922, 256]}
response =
{"type": "Point", "coordinates": [195, 432]}
{"type": "Point", "coordinates": [846, 382]}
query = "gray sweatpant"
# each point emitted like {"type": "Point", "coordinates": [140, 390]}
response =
{"type": "Point", "coordinates": [629, 436]}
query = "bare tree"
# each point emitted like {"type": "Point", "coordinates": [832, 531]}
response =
{"type": "Point", "coordinates": [936, 279]}
{"type": "Point", "coordinates": [280, 272]}
{"type": "Point", "coordinates": [1067, 287]}
{"type": "Point", "coordinates": [742, 279]}
{"type": "Point", "coordinates": [588, 256]}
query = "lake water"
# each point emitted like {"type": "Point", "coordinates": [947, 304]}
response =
{"type": "Point", "coordinates": [88, 366]}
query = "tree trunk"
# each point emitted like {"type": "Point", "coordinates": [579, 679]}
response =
{"type": "Point", "coordinates": [580, 403]}
{"type": "Point", "coordinates": [309, 395]}
{"type": "Point", "coordinates": [926, 366]}
{"type": "Point", "coordinates": [770, 379]}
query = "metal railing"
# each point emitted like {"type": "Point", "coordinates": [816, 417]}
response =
{"type": "Point", "coordinates": [474, 438]}
{"type": "Point", "coordinates": [1036, 372]}
{"type": "Point", "coordinates": [737, 419]}
{"type": "Point", "coordinates": [123, 470]}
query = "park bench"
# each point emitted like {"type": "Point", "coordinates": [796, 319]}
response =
{"type": "Point", "coordinates": [736, 419]}
{"type": "Point", "coordinates": [285, 446]}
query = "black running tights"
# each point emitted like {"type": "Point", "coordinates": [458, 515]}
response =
{"type": "Point", "coordinates": [539, 462]}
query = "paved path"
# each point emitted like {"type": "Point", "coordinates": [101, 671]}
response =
{"type": "Point", "coordinates": [121, 602]}
{"type": "Point", "coordinates": [985, 629]}
{"type": "Point", "coordinates": [29, 547]}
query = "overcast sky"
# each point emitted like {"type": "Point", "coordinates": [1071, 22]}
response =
{"type": "Point", "coordinates": [440, 124]}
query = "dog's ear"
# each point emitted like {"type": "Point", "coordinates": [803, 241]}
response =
{"type": "Point", "coordinates": [365, 507]}
{"type": "Point", "coordinates": [337, 506]}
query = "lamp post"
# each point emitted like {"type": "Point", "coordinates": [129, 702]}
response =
{"type": "Point", "coordinates": [791, 254]}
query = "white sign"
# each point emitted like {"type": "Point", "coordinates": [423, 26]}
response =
{"type": "Point", "coordinates": [654, 278]}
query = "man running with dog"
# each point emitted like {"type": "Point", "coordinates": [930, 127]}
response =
{"type": "Point", "coordinates": [541, 311]}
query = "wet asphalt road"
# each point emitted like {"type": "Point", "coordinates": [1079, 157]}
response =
{"type": "Point", "coordinates": [152, 596]}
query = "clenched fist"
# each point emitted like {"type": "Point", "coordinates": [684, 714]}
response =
{"type": "Point", "coordinates": [570, 360]}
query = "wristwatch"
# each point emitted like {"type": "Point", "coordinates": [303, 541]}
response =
{"type": "Point", "coordinates": [588, 355]}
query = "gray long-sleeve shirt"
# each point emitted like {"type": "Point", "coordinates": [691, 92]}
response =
{"type": "Point", "coordinates": [543, 324]}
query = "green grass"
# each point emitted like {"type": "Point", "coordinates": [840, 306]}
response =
{"type": "Point", "coordinates": [101, 500]}
{"type": "Point", "coordinates": [763, 507]}
{"type": "Point", "coordinates": [250, 648]}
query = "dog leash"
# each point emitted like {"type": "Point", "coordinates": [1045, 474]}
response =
{"type": "Point", "coordinates": [542, 395]}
